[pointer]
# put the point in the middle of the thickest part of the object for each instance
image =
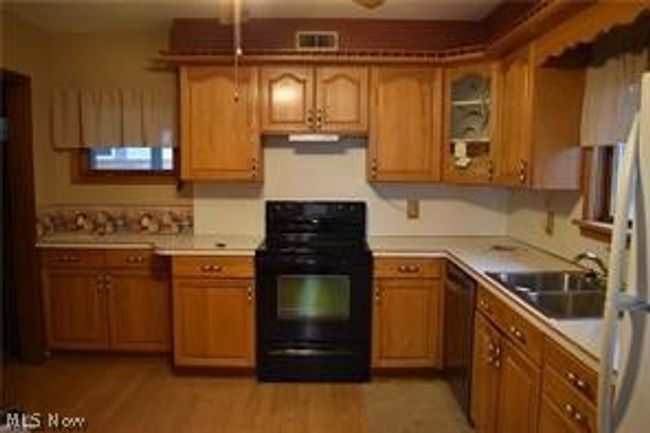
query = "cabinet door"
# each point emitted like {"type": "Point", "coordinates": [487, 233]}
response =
{"type": "Point", "coordinates": [485, 375]}
{"type": "Point", "coordinates": [220, 136]}
{"type": "Point", "coordinates": [519, 391]}
{"type": "Point", "coordinates": [408, 323]}
{"type": "Point", "coordinates": [470, 102]}
{"type": "Point", "coordinates": [342, 99]}
{"type": "Point", "coordinates": [139, 311]}
{"type": "Point", "coordinates": [75, 309]}
{"type": "Point", "coordinates": [512, 162]}
{"type": "Point", "coordinates": [405, 125]}
{"type": "Point", "coordinates": [213, 323]}
{"type": "Point", "coordinates": [287, 94]}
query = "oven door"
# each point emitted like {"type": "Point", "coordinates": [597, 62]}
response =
{"type": "Point", "coordinates": [303, 300]}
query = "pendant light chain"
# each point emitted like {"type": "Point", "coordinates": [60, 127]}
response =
{"type": "Point", "coordinates": [238, 51]}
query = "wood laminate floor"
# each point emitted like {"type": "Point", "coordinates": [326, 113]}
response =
{"type": "Point", "coordinates": [142, 395]}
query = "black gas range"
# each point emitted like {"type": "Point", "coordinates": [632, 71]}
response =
{"type": "Point", "coordinates": [314, 274]}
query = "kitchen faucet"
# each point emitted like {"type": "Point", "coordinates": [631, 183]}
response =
{"type": "Point", "coordinates": [593, 258]}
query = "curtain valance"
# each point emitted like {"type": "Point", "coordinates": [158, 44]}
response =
{"type": "Point", "coordinates": [113, 117]}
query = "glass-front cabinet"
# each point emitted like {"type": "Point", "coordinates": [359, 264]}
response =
{"type": "Point", "coordinates": [469, 124]}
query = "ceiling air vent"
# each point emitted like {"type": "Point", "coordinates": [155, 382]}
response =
{"type": "Point", "coordinates": [317, 41]}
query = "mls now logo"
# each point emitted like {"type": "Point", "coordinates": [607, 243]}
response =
{"type": "Point", "coordinates": [17, 421]}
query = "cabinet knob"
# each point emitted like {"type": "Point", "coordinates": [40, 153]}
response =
{"type": "Point", "coordinates": [374, 168]}
{"type": "Point", "coordinates": [490, 170]}
{"type": "Point", "coordinates": [523, 171]}
{"type": "Point", "coordinates": [377, 295]}
{"type": "Point", "coordinates": [134, 259]}
{"type": "Point", "coordinates": [249, 293]}
{"type": "Point", "coordinates": [576, 381]}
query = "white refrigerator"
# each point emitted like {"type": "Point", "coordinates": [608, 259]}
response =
{"type": "Point", "coordinates": [625, 351]}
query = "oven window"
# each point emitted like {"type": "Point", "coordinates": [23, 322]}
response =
{"type": "Point", "coordinates": [314, 297]}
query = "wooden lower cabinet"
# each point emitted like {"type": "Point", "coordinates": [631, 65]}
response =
{"type": "Point", "coordinates": [506, 384]}
{"type": "Point", "coordinates": [406, 323]}
{"type": "Point", "coordinates": [553, 420]}
{"type": "Point", "coordinates": [214, 323]}
{"type": "Point", "coordinates": [139, 311]}
{"type": "Point", "coordinates": [101, 305]}
{"type": "Point", "coordinates": [75, 309]}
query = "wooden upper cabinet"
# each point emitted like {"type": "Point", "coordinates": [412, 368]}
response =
{"type": "Point", "coordinates": [75, 309]}
{"type": "Point", "coordinates": [539, 123]}
{"type": "Point", "coordinates": [470, 119]}
{"type": "Point", "coordinates": [342, 99]}
{"type": "Point", "coordinates": [313, 99]}
{"type": "Point", "coordinates": [219, 131]}
{"type": "Point", "coordinates": [405, 124]}
{"type": "Point", "coordinates": [287, 95]}
{"type": "Point", "coordinates": [512, 165]}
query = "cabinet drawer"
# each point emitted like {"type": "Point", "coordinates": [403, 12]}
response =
{"type": "Point", "coordinates": [407, 268]}
{"type": "Point", "coordinates": [213, 267]}
{"type": "Point", "coordinates": [140, 259]}
{"type": "Point", "coordinates": [575, 374]}
{"type": "Point", "coordinates": [574, 408]}
{"type": "Point", "coordinates": [516, 328]}
{"type": "Point", "coordinates": [72, 258]}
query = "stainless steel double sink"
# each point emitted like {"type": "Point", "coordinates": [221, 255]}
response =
{"type": "Point", "coordinates": [559, 295]}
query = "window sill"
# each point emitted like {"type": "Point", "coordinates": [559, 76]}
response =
{"type": "Point", "coordinates": [596, 230]}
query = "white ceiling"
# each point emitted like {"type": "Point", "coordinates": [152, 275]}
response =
{"type": "Point", "coordinates": [90, 16]}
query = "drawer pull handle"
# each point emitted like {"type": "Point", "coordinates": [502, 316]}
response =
{"type": "Point", "coordinates": [134, 259]}
{"type": "Point", "coordinates": [518, 334]}
{"type": "Point", "coordinates": [211, 268]}
{"type": "Point", "coordinates": [69, 259]}
{"type": "Point", "coordinates": [574, 380]}
{"type": "Point", "coordinates": [408, 269]}
{"type": "Point", "coordinates": [576, 416]}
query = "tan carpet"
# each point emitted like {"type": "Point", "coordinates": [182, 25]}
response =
{"type": "Point", "coordinates": [408, 405]}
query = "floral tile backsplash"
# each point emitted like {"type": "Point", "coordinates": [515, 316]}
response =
{"type": "Point", "coordinates": [115, 220]}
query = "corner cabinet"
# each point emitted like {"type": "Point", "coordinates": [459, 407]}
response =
{"type": "Point", "coordinates": [298, 99]}
{"type": "Point", "coordinates": [540, 108]}
{"type": "Point", "coordinates": [220, 138]}
{"type": "Point", "coordinates": [470, 119]}
{"type": "Point", "coordinates": [405, 125]}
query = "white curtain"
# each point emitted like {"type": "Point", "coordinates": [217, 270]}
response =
{"type": "Point", "coordinates": [113, 117]}
{"type": "Point", "coordinates": [612, 97]}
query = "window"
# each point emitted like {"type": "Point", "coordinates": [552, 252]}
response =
{"type": "Point", "coordinates": [125, 165]}
{"type": "Point", "coordinates": [600, 172]}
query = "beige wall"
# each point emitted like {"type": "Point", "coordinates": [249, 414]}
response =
{"type": "Point", "coordinates": [527, 214]}
{"type": "Point", "coordinates": [81, 60]}
{"type": "Point", "coordinates": [337, 171]}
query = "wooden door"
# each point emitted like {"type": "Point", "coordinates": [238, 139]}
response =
{"type": "Point", "coordinates": [287, 95]}
{"type": "Point", "coordinates": [407, 323]}
{"type": "Point", "coordinates": [342, 99]}
{"type": "Point", "coordinates": [75, 309]}
{"type": "Point", "coordinates": [513, 150]}
{"type": "Point", "coordinates": [405, 125]}
{"type": "Point", "coordinates": [139, 311]}
{"type": "Point", "coordinates": [213, 323]}
{"type": "Point", "coordinates": [470, 120]}
{"type": "Point", "coordinates": [519, 392]}
{"type": "Point", "coordinates": [485, 375]}
{"type": "Point", "coordinates": [220, 134]}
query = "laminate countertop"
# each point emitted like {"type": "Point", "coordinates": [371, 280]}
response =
{"type": "Point", "coordinates": [477, 255]}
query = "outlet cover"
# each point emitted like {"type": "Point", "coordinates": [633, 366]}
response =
{"type": "Point", "coordinates": [412, 209]}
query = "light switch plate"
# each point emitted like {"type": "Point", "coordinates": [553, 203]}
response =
{"type": "Point", "coordinates": [412, 209]}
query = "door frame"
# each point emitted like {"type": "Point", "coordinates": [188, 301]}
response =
{"type": "Point", "coordinates": [21, 216]}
